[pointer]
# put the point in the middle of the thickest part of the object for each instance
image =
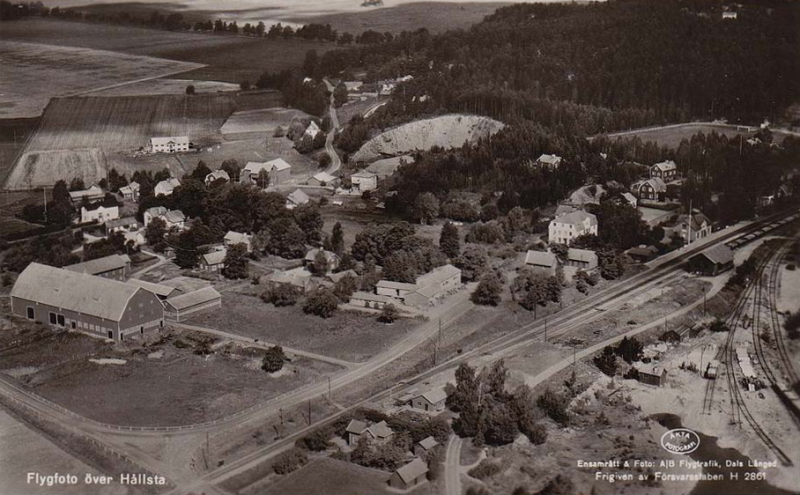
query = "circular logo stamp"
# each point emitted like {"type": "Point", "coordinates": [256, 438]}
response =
{"type": "Point", "coordinates": [680, 441]}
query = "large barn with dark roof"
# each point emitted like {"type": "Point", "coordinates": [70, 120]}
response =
{"type": "Point", "coordinates": [78, 301]}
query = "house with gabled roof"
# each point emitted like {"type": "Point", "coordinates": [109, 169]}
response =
{"type": "Point", "coordinates": [100, 211]}
{"type": "Point", "coordinates": [170, 144]}
{"type": "Point", "coordinates": [131, 191]}
{"type": "Point", "coordinates": [549, 161]}
{"type": "Point", "coordinates": [654, 189]}
{"type": "Point", "coordinates": [583, 259]}
{"type": "Point", "coordinates": [546, 262]}
{"type": "Point", "coordinates": [93, 305]}
{"type": "Point", "coordinates": [115, 266]}
{"type": "Point", "coordinates": [364, 180]}
{"type": "Point", "coordinates": [296, 198]}
{"type": "Point", "coordinates": [91, 195]}
{"type": "Point", "coordinates": [213, 261]}
{"type": "Point", "coordinates": [410, 475]}
{"type": "Point", "coordinates": [424, 446]}
{"type": "Point", "coordinates": [232, 238]}
{"type": "Point", "coordinates": [354, 430]}
{"type": "Point", "coordinates": [162, 291]}
{"type": "Point", "coordinates": [217, 175]}
{"type": "Point", "coordinates": [431, 401]}
{"type": "Point", "coordinates": [322, 179]}
{"type": "Point", "coordinates": [166, 187]}
{"type": "Point", "coordinates": [690, 228]}
{"type": "Point", "coordinates": [278, 170]}
{"type": "Point", "coordinates": [563, 229]}
{"type": "Point", "coordinates": [174, 219]}
{"type": "Point", "coordinates": [331, 258]}
{"type": "Point", "coordinates": [666, 170]}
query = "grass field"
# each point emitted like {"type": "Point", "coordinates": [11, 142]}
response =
{"type": "Point", "coordinates": [160, 384]}
{"type": "Point", "coordinates": [43, 71]}
{"type": "Point", "coordinates": [229, 58]}
{"type": "Point", "coordinates": [396, 17]}
{"type": "Point", "coordinates": [671, 136]}
{"type": "Point", "coordinates": [77, 135]}
{"type": "Point", "coordinates": [318, 477]}
{"type": "Point", "coordinates": [261, 122]}
{"type": "Point", "coordinates": [348, 336]}
{"type": "Point", "coordinates": [167, 87]}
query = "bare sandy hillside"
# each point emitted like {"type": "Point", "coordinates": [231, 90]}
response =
{"type": "Point", "coordinates": [447, 131]}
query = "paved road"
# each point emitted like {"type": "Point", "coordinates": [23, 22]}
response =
{"type": "Point", "coordinates": [452, 466]}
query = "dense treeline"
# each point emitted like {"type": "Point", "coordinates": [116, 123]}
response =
{"type": "Point", "coordinates": [646, 61]}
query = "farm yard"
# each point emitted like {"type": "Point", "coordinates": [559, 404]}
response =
{"type": "Point", "coordinates": [318, 477]}
{"type": "Point", "coordinates": [44, 71]}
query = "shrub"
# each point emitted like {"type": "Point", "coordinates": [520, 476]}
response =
{"type": "Point", "coordinates": [321, 303]}
{"type": "Point", "coordinates": [555, 406]}
{"type": "Point", "coordinates": [389, 314]}
{"type": "Point", "coordinates": [289, 461]}
{"type": "Point", "coordinates": [486, 469]}
{"type": "Point", "coordinates": [607, 361]}
{"type": "Point", "coordinates": [316, 441]}
{"type": "Point", "coordinates": [180, 344]}
{"type": "Point", "coordinates": [280, 295]}
{"type": "Point", "coordinates": [273, 359]}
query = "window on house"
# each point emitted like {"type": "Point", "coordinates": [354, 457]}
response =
{"type": "Point", "coordinates": [61, 320]}
{"type": "Point", "coordinates": [52, 318]}
{"type": "Point", "coordinates": [30, 313]}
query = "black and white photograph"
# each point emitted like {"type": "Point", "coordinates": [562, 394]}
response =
{"type": "Point", "coordinates": [399, 247]}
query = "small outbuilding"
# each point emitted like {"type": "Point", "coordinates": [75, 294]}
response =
{"type": "Point", "coordinates": [424, 446]}
{"type": "Point", "coordinates": [651, 375]}
{"type": "Point", "coordinates": [213, 261]}
{"type": "Point", "coordinates": [542, 261]}
{"type": "Point", "coordinates": [181, 307]}
{"type": "Point", "coordinates": [410, 475]}
{"type": "Point", "coordinates": [712, 261]}
{"type": "Point", "coordinates": [430, 401]}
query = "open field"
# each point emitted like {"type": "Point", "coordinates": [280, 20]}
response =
{"type": "Point", "coordinates": [230, 58]}
{"type": "Point", "coordinates": [672, 135]}
{"type": "Point", "coordinates": [33, 452]}
{"type": "Point", "coordinates": [167, 87]}
{"type": "Point", "coordinates": [166, 381]}
{"type": "Point", "coordinates": [44, 71]}
{"type": "Point", "coordinates": [261, 122]}
{"type": "Point", "coordinates": [77, 135]}
{"type": "Point", "coordinates": [128, 123]}
{"type": "Point", "coordinates": [399, 16]}
{"type": "Point", "coordinates": [348, 336]}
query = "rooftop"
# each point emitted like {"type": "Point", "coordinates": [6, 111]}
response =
{"type": "Point", "coordinates": [298, 197]}
{"type": "Point", "coordinates": [577, 218]}
{"type": "Point", "coordinates": [428, 443]}
{"type": "Point", "coordinates": [412, 470]}
{"type": "Point", "coordinates": [157, 289]}
{"type": "Point", "coordinates": [169, 139]}
{"type": "Point", "coordinates": [215, 257]}
{"type": "Point", "coordinates": [435, 395]}
{"type": "Point", "coordinates": [100, 265]}
{"type": "Point", "coordinates": [79, 292]}
{"type": "Point", "coordinates": [438, 275]}
{"type": "Point", "coordinates": [190, 299]}
{"type": "Point", "coordinates": [540, 258]}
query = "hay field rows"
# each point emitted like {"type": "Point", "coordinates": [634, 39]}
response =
{"type": "Point", "coordinates": [44, 71]}
{"type": "Point", "coordinates": [259, 121]}
{"type": "Point", "coordinates": [127, 123]}
{"type": "Point", "coordinates": [228, 58]}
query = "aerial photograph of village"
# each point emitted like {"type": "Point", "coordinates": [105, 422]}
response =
{"type": "Point", "coordinates": [381, 247]}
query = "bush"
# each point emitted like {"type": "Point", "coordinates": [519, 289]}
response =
{"type": "Point", "coordinates": [321, 303]}
{"type": "Point", "coordinates": [316, 441]}
{"type": "Point", "coordinates": [486, 469]}
{"type": "Point", "coordinates": [607, 361]}
{"type": "Point", "coordinates": [488, 291]}
{"type": "Point", "coordinates": [280, 295]}
{"type": "Point", "coordinates": [289, 461]}
{"type": "Point", "coordinates": [388, 314]}
{"type": "Point", "coordinates": [555, 406]}
{"type": "Point", "coordinates": [273, 359]}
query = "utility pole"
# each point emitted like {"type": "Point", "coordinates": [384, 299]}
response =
{"type": "Point", "coordinates": [207, 452]}
{"type": "Point", "coordinates": [281, 412]}
{"type": "Point", "coordinates": [309, 412]}
{"type": "Point", "coordinates": [574, 355]}
{"type": "Point", "coordinates": [329, 389]}
{"type": "Point", "coordinates": [545, 329]}
{"type": "Point", "coordinates": [44, 195]}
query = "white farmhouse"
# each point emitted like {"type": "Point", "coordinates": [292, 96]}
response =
{"type": "Point", "coordinates": [364, 181]}
{"type": "Point", "coordinates": [99, 212]}
{"type": "Point", "coordinates": [171, 144]}
{"type": "Point", "coordinates": [563, 229]}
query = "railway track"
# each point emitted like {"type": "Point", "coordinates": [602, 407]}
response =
{"type": "Point", "coordinates": [775, 323]}
{"type": "Point", "coordinates": [740, 413]}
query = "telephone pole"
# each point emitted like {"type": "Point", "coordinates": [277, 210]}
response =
{"type": "Point", "coordinates": [545, 329]}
